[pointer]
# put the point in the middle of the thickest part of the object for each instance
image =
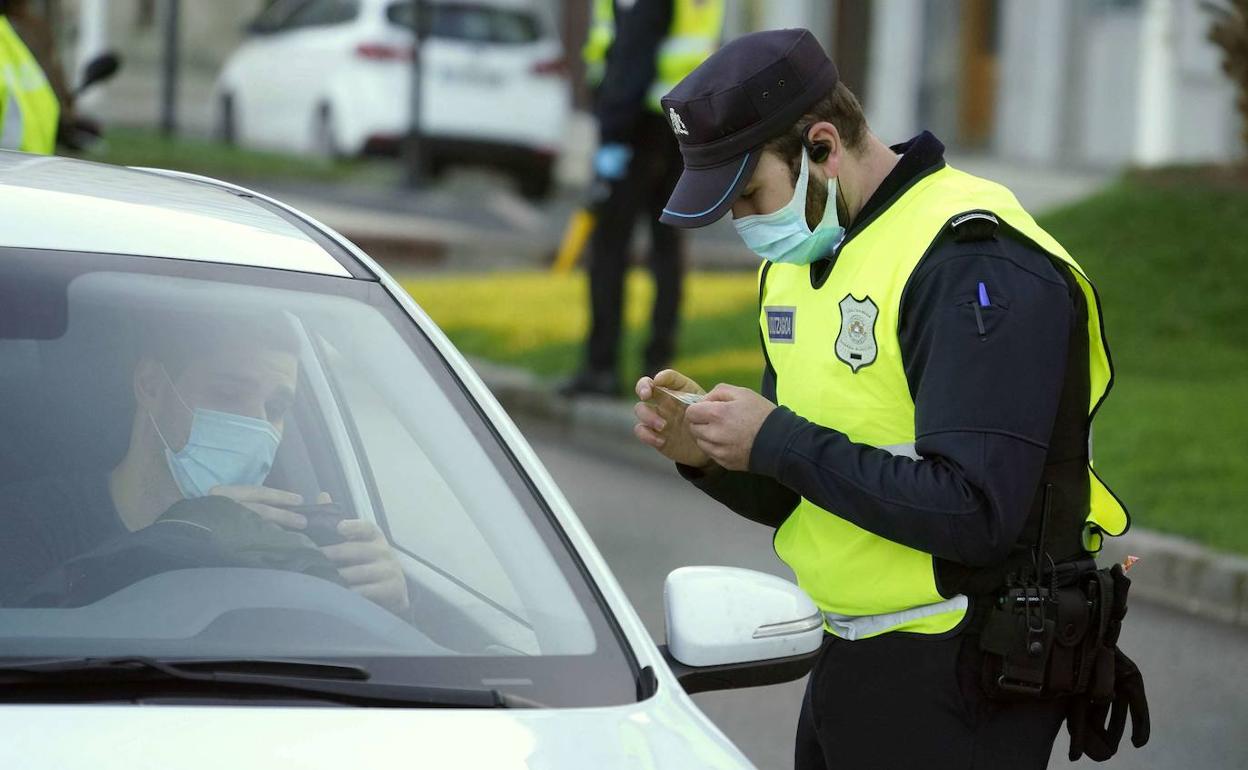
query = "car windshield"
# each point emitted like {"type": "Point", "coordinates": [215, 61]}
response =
{"type": "Point", "coordinates": [201, 460]}
{"type": "Point", "coordinates": [468, 22]}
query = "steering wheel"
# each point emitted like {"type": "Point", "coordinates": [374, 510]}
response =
{"type": "Point", "coordinates": [215, 609]}
{"type": "Point", "coordinates": [197, 532]}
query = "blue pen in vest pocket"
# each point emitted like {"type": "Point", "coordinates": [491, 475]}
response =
{"type": "Point", "coordinates": [979, 315]}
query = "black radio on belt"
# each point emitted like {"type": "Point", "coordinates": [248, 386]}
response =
{"type": "Point", "coordinates": [1052, 630]}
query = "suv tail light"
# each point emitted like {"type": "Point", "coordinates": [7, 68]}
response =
{"type": "Point", "coordinates": [383, 52]}
{"type": "Point", "coordinates": [551, 67]}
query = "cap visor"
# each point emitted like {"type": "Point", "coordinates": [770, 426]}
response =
{"type": "Point", "coordinates": [703, 195]}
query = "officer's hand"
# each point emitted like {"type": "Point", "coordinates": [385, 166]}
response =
{"type": "Point", "coordinates": [661, 418]}
{"type": "Point", "coordinates": [725, 423]}
{"type": "Point", "coordinates": [266, 503]}
{"type": "Point", "coordinates": [367, 563]}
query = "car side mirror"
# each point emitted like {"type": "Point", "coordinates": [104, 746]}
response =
{"type": "Point", "coordinates": [729, 627]}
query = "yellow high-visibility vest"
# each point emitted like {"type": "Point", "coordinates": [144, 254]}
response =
{"type": "Point", "coordinates": [864, 584]}
{"type": "Point", "coordinates": [598, 41]}
{"type": "Point", "coordinates": [29, 110]}
{"type": "Point", "coordinates": [693, 36]}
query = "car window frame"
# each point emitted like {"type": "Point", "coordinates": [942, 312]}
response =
{"type": "Point", "coordinates": [427, 31]}
{"type": "Point", "coordinates": [282, 10]}
{"type": "Point", "coordinates": [295, 22]}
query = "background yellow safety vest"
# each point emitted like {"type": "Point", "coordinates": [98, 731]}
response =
{"type": "Point", "coordinates": [29, 110]}
{"type": "Point", "coordinates": [694, 35]}
{"type": "Point", "coordinates": [864, 584]}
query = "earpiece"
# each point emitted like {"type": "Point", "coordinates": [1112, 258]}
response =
{"type": "Point", "coordinates": [818, 151]}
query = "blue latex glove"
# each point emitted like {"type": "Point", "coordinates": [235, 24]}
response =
{"type": "Point", "coordinates": [611, 161]}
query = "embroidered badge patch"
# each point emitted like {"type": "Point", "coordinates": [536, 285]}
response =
{"type": "Point", "coordinates": [781, 323]}
{"type": "Point", "coordinates": [678, 124]}
{"type": "Point", "coordinates": [855, 345]}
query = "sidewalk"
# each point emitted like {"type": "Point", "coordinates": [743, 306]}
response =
{"type": "Point", "coordinates": [1172, 571]}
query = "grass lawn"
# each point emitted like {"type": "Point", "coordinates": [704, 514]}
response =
{"type": "Point", "coordinates": [147, 147]}
{"type": "Point", "coordinates": [1170, 262]}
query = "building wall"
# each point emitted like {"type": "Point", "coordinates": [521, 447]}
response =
{"type": "Point", "coordinates": [1106, 83]}
{"type": "Point", "coordinates": [894, 68]}
{"type": "Point", "coordinates": [1033, 79]}
{"type": "Point", "coordinates": [1206, 124]}
{"type": "Point", "coordinates": [1106, 90]}
{"type": "Point", "coordinates": [1069, 71]}
{"type": "Point", "coordinates": [940, 86]}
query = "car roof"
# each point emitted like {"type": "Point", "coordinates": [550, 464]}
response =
{"type": "Point", "coordinates": [50, 202]}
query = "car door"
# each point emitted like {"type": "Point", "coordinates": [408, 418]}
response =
{"type": "Point", "coordinates": [465, 79]}
{"type": "Point", "coordinates": [252, 81]}
{"type": "Point", "coordinates": [321, 39]}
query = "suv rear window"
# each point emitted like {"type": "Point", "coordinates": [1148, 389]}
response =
{"type": "Point", "coordinates": [466, 21]}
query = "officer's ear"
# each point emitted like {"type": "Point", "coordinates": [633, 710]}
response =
{"type": "Point", "coordinates": [824, 147]}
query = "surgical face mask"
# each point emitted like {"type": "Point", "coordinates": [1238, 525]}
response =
{"type": "Point", "coordinates": [223, 449]}
{"type": "Point", "coordinates": [783, 236]}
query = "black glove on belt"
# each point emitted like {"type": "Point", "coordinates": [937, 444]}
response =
{"type": "Point", "coordinates": [1085, 718]}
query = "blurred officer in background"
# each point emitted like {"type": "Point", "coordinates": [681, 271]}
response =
{"type": "Point", "coordinates": [637, 51]}
{"type": "Point", "coordinates": [29, 108]}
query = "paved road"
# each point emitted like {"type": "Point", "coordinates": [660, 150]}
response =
{"type": "Point", "coordinates": [647, 521]}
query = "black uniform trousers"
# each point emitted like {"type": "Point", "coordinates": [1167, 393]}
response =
{"type": "Point", "coordinates": [900, 701]}
{"type": "Point", "coordinates": [656, 165]}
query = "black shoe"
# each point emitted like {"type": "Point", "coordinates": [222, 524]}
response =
{"type": "Point", "coordinates": [590, 382]}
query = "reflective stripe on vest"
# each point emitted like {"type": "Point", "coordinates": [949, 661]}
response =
{"type": "Point", "coordinates": [864, 626]}
{"type": "Point", "coordinates": [693, 35]}
{"type": "Point", "coordinates": [841, 367]}
{"type": "Point", "coordinates": [29, 110]}
{"type": "Point", "coordinates": [10, 118]}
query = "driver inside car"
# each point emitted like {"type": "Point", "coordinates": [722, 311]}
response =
{"type": "Point", "coordinates": [211, 402]}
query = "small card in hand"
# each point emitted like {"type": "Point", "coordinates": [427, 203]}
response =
{"type": "Point", "coordinates": [684, 398]}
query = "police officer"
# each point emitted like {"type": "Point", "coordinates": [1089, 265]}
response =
{"type": "Point", "coordinates": [637, 51]}
{"type": "Point", "coordinates": [29, 110]}
{"type": "Point", "coordinates": [933, 361]}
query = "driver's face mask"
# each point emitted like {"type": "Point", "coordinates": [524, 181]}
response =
{"type": "Point", "coordinates": [223, 449]}
{"type": "Point", "coordinates": [783, 235]}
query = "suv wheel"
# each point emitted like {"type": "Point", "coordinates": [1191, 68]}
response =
{"type": "Point", "coordinates": [537, 180]}
{"type": "Point", "coordinates": [227, 120]}
{"type": "Point", "coordinates": [324, 135]}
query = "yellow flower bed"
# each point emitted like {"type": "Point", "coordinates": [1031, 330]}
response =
{"type": "Point", "coordinates": [521, 312]}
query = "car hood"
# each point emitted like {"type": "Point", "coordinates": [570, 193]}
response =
{"type": "Point", "coordinates": [656, 734]}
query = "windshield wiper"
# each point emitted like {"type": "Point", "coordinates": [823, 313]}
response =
{"type": "Point", "coordinates": [89, 679]}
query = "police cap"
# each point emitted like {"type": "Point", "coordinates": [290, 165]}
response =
{"type": "Point", "coordinates": [749, 91]}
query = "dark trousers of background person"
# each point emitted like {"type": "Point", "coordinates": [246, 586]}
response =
{"type": "Point", "coordinates": [652, 173]}
{"type": "Point", "coordinates": [897, 701]}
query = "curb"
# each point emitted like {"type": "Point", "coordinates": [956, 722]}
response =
{"type": "Point", "coordinates": [1173, 571]}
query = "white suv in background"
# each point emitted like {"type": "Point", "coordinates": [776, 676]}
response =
{"type": "Point", "coordinates": [333, 77]}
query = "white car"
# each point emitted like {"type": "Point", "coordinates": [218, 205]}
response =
{"type": "Point", "coordinates": [144, 624]}
{"type": "Point", "coordinates": [333, 77]}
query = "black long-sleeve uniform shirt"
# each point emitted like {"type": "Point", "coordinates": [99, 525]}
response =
{"type": "Point", "coordinates": [984, 407]}
{"type": "Point", "coordinates": [632, 64]}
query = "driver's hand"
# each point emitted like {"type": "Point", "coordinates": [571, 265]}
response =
{"type": "Point", "coordinates": [367, 564]}
{"type": "Point", "coordinates": [364, 560]}
{"type": "Point", "coordinates": [265, 502]}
